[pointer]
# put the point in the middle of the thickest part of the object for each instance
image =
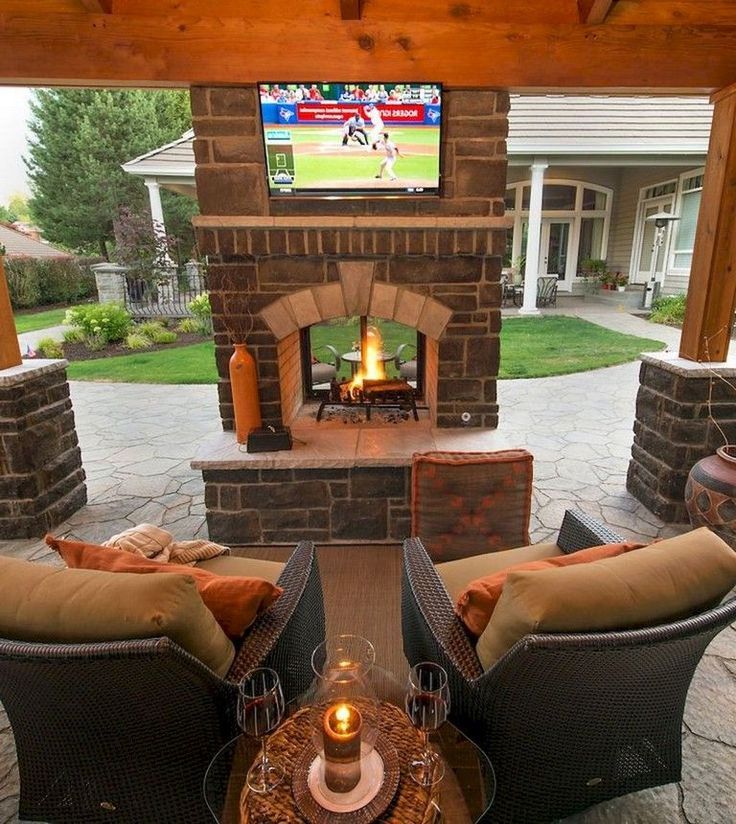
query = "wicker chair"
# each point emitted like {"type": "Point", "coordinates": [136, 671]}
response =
{"type": "Point", "coordinates": [568, 720]}
{"type": "Point", "coordinates": [124, 731]}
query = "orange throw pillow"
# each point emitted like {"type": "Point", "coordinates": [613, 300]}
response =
{"type": "Point", "coordinates": [476, 604]}
{"type": "Point", "coordinates": [234, 601]}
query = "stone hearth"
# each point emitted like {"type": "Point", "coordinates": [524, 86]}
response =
{"type": "Point", "coordinates": [340, 483]}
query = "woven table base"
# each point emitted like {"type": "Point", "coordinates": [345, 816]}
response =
{"type": "Point", "coordinates": [412, 804]}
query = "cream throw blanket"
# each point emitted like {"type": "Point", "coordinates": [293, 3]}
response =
{"type": "Point", "coordinates": [159, 545]}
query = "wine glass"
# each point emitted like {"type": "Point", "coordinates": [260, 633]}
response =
{"type": "Point", "coordinates": [427, 705]}
{"type": "Point", "coordinates": [260, 710]}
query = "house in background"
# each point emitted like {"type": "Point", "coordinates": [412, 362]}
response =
{"type": "Point", "coordinates": [21, 244]}
{"type": "Point", "coordinates": [602, 164]}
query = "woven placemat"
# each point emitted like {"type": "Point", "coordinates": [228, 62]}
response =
{"type": "Point", "coordinates": [412, 804]}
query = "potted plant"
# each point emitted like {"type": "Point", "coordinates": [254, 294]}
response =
{"type": "Point", "coordinates": [620, 280]}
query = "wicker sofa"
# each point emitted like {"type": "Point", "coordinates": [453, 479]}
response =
{"type": "Point", "coordinates": [568, 720]}
{"type": "Point", "coordinates": [123, 731]}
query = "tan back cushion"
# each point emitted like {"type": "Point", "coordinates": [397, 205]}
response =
{"type": "Point", "coordinates": [470, 503]}
{"type": "Point", "coordinates": [662, 582]}
{"type": "Point", "coordinates": [240, 567]}
{"type": "Point", "coordinates": [456, 575]}
{"type": "Point", "coordinates": [54, 605]}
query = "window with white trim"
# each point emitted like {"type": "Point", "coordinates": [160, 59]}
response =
{"type": "Point", "coordinates": [691, 194]}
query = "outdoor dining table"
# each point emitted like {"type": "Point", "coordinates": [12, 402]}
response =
{"type": "Point", "coordinates": [353, 358]}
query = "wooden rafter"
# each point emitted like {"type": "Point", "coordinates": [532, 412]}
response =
{"type": "Point", "coordinates": [350, 9]}
{"type": "Point", "coordinates": [98, 6]}
{"type": "Point", "coordinates": [594, 12]}
{"type": "Point", "coordinates": [122, 49]}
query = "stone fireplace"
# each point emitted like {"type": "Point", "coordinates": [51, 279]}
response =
{"type": "Point", "coordinates": [277, 266]}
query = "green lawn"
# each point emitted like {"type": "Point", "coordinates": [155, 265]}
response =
{"type": "Point", "coordinates": [183, 364]}
{"type": "Point", "coordinates": [559, 345]}
{"type": "Point", "coordinates": [32, 321]}
{"type": "Point", "coordinates": [530, 348]}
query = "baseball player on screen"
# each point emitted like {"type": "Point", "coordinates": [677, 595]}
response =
{"type": "Point", "coordinates": [376, 124]}
{"type": "Point", "coordinates": [353, 130]}
{"type": "Point", "coordinates": [392, 153]}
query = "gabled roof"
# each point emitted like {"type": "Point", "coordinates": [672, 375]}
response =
{"type": "Point", "coordinates": [18, 244]}
{"type": "Point", "coordinates": [172, 160]}
{"type": "Point", "coordinates": [608, 125]}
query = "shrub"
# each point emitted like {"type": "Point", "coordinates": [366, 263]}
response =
{"type": "Point", "coordinates": [50, 348]}
{"type": "Point", "coordinates": [201, 309]}
{"type": "Point", "coordinates": [150, 328]}
{"type": "Point", "coordinates": [162, 336]}
{"type": "Point", "coordinates": [41, 281]}
{"type": "Point", "coordinates": [190, 326]}
{"type": "Point", "coordinates": [73, 336]}
{"type": "Point", "coordinates": [106, 322]}
{"type": "Point", "coordinates": [669, 310]}
{"type": "Point", "coordinates": [136, 340]}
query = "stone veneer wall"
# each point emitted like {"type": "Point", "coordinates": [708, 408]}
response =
{"type": "Point", "coordinates": [273, 506]}
{"type": "Point", "coordinates": [41, 475]}
{"type": "Point", "coordinates": [674, 428]}
{"type": "Point", "coordinates": [448, 248]}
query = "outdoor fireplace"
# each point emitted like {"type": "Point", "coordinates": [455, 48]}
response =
{"type": "Point", "coordinates": [282, 267]}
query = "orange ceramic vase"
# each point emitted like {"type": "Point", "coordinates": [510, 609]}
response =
{"type": "Point", "coordinates": [244, 384]}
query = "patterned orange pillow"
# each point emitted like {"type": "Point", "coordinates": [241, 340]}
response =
{"type": "Point", "coordinates": [234, 601]}
{"type": "Point", "coordinates": [470, 503]}
{"type": "Point", "coordinates": [476, 604]}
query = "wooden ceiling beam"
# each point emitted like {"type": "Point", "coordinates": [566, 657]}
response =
{"type": "Point", "coordinates": [594, 12]}
{"type": "Point", "coordinates": [673, 13]}
{"type": "Point", "coordinates": [350, 9]}
{"type": "Point", "coordinates": [125, 50]}
{"type": "Point", "coordinates": [97, 6]}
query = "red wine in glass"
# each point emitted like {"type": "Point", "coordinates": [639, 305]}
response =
{"type": "Point", "coordinates": [426, 712]}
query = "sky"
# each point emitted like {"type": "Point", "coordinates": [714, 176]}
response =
{"type": "Point", "coordinates": [14, 112]}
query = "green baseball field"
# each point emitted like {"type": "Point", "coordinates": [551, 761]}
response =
{"type": "Point", "coordinates": [321, 162]}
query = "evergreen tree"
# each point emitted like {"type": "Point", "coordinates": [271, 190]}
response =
{"type": "Point", "coordinates": [80, 138]}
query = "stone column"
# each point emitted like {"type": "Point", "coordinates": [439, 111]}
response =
{"type": "Point", "coordinates": [110, 282]}
{"type": "Point", "coordinates": [41, 475]}
{"type": "Point", "coordinates": [531, 268]}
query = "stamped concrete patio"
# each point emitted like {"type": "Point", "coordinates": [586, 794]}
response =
{"type": "Point", "coordinates": [137, 442]}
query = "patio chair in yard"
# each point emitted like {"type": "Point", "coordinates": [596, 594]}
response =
{"type": "Point", "coordinates": [576, 687]}
{"type": "Point", "coordinates": [547, 291]}
{"type": "Point", "coordinates": [325, 372]}
{"type": "Point", "coordinates": [123, 730]}
{"type": "Point", "coordinates": [407, 368]}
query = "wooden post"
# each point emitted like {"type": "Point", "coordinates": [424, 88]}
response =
{"type": "Point", "coordinates": [711, 297]}
{"type": "Point", "coordinates": [9, 348]}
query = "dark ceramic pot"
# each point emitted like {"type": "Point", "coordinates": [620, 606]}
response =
{"type": "Point", "coordinates": [710, 493]}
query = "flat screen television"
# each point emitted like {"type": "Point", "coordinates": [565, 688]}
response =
{"type": "Point", "coordinates": [352, 139]}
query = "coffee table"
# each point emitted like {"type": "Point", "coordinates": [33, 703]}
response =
{"type": "Point", "coordinates": [463, 796]}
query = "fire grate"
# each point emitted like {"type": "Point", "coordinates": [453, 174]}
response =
{"type": "Point", "coordinates": [373, 394]}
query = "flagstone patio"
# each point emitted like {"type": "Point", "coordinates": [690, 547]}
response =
{"type": "Point", "coordinates": [137, 442]}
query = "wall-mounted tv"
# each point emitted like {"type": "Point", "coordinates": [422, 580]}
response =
{"type": "Point", "coordinates": [352, 139]}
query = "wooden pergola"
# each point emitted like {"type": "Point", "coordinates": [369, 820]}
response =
{"type": "Point", "coordinates": [645, 45]}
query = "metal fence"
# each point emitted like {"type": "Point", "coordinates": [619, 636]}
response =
{"type": "Point", "coordinates": [168, 294]}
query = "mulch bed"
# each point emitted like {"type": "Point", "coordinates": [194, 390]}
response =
{"type": "Point", "coordinates": [79, 352]}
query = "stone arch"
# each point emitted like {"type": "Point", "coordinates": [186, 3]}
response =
{"type": "Point", "coordinates": [356, 293]}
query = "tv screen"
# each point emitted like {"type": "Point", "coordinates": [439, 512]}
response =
{"type": "Point", "coordinates": [352, 139]}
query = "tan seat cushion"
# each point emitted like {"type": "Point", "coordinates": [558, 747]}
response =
{"type": "Point", "coordinates": [456, 575]}
{"type": "Point", "coordinates": [477, 602]}
{"type": "Point", "coordinates": [48, 604]}
{"type": "Point", "coordinates": [662, 582]}
{"type": "Point", "coordinates": [239, 567]}
{"type": "Point", "coordinates": [234, 601]}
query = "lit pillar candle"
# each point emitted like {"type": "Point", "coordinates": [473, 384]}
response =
{"type": "Point", "coordinates": [341, 731]}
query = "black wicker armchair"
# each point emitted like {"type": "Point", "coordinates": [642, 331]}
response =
{"type": "Point", "coordinates": [124, 731]}
{"type": "Point", "coordinates": [568, 720]}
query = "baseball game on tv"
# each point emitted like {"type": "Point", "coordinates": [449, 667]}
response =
{"type": "Point", "coordinates": [352, 139]}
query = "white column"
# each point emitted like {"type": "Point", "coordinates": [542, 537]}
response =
{"type": "Point", "coordinates": [534, 236]}
{"type": "Point", "coordinates": [157, 215]}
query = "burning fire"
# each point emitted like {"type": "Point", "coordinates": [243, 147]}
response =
{"type": "Point", "coordinates": [371, 368]}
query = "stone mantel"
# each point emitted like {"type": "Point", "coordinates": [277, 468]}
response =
{"type": "Point", "coordinates": [349, 222]}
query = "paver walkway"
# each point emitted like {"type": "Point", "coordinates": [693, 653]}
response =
{"type": "Point", "coordinates": [137, 441]}
{"type": "Point", "coordinates": [31, 339]}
